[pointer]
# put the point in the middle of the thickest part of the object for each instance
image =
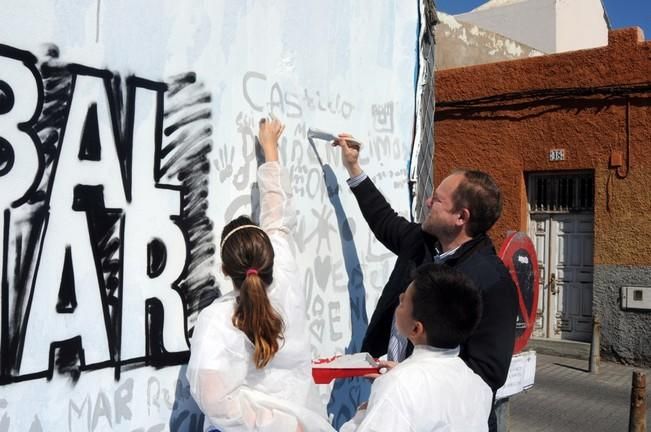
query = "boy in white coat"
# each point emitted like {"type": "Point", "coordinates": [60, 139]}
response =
{"type": "Point", "coordinates": [433, 389]}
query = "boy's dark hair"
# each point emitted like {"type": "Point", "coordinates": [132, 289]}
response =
{"type": "Point", "coordinates": [447, 303]}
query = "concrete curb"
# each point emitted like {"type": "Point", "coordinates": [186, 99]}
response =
{"type": "Point", "coordinates": [560, 348]}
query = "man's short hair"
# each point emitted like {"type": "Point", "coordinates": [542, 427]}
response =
{"type": "Point", "coordinates": [447, 303]}
{"type": "Point", "coordinates": [479, 193]}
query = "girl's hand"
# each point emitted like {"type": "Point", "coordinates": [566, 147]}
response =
{"type": "Point", "coordinates": [269, 133]}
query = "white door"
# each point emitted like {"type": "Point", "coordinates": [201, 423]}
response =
{"type": "Point", "coordinates": [561, 206]}
{"type": "Point", "coordinates": [564, 244]}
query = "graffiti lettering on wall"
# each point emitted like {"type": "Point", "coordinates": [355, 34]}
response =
{"type": "Point", "coordinates": [103, 194]}
{"type": "Point", "coordinates": [322, 219]}
{"type": "Point", "coordinates": [104, 186]}
{"type": "Point", "coordinates": [335, 285]}
{"type": "Point", "coordinates": [383, 117]}
{"type": "Point", "coordinates": [290, 104]}
{"type": "Point", "coordinates": [146, 400]}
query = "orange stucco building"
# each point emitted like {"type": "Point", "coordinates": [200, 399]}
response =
{"type": "Point", "coordinates": [568, 138]}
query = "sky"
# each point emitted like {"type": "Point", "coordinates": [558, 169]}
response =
{"type": "Point", "coordinates": [622, 13]}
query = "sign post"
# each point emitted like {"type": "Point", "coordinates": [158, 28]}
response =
{"type": "Point", "coordinates": [519, 257]}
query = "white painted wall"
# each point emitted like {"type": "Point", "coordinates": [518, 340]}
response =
{"type": "Point", "coordinates": [580, 25]}
{"type": "Point", "coordinates": [550, 26]}
{"type": "Point", "coordinates": [82, 211]}
{"type": "Point", "coordinates": [461, 44]}
{"type": "Point", "coordinates": [531, 22]}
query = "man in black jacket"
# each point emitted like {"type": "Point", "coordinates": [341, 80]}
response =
{"type": "Point", "coordinates": [463, 208]}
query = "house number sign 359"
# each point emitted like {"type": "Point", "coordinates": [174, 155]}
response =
{"type": "Point", "coordinates": [557, 155]}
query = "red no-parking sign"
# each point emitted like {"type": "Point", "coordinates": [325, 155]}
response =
{"type": "Point", "coordinates": [519, 257]}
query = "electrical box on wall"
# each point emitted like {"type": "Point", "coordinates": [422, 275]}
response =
{"type": "Point", "coordinates": [636, 298]}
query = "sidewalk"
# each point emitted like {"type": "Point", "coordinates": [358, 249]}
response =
{"type": "Point", "coordinates": [566, 397]}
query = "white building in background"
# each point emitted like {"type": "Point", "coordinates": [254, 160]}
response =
{"type": "Point", "coordinates": [463, 44]}
{"type": "Point", "coordinates": [550, 26]}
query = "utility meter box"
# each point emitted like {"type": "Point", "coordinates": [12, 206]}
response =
{"type": "Point", "coordinates": [636, 298]}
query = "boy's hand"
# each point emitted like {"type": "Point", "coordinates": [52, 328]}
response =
{"type": "Point", "coordinates": [384, 367]}
{"type": "Point", "coordinates": [349, 155]}
{"type": "Point", "coordinates": [268, 134]}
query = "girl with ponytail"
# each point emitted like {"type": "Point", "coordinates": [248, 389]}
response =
{"type": "Point", "coordinates": [248, 260]}
{"type": "Point", "coordinates": [250, 362]}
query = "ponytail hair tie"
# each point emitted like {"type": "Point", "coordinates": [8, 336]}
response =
{"type": "Point", "coordinates": [251, 271]}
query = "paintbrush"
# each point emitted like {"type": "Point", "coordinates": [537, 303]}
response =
{"type": "Point", "coordinates": [329, 137]}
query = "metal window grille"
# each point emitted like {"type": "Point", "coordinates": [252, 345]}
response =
{"type": "Point", "coordinates": [424, 179]}
{"type": "Point", "coordinates": [561, 192]}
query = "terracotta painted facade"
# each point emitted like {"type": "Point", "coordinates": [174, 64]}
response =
{"type": "Point", "coordinates": [595, 104]}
